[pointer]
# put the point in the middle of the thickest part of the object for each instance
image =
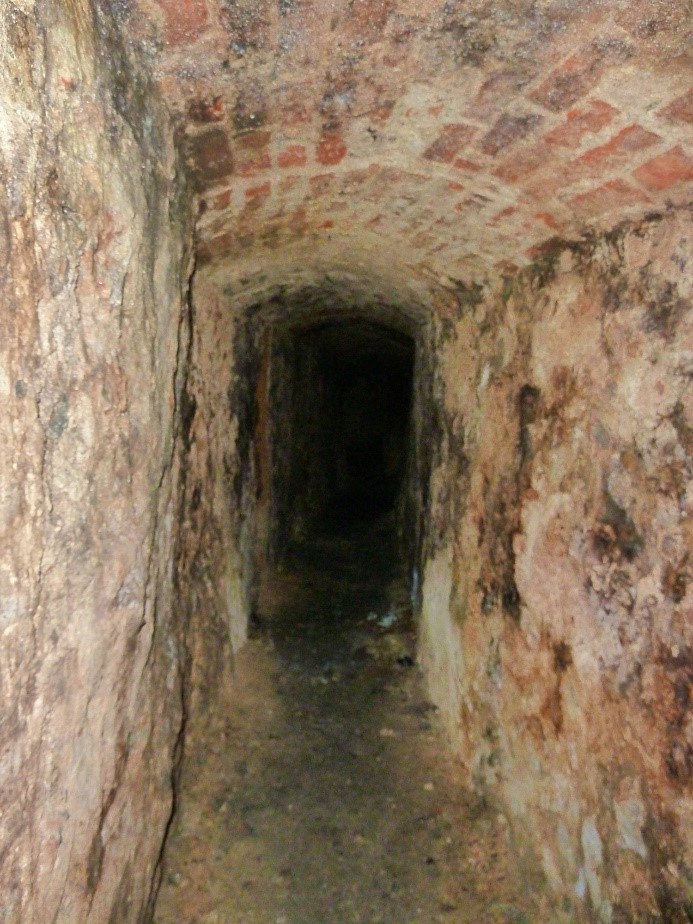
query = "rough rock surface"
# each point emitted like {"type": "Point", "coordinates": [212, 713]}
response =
{"type": "Point", "coordinates": [564, 660]}
{"type": "Point", "coordinates": [93, 234]}
{"type": "Point", "coordinates": [217, 489]}
{"type": "Point", "coordinates": [508, 177]}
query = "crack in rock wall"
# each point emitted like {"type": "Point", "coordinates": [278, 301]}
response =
{"type": "Point", "coordinates": [555, 606]}
{"type": "Point", "coordinates": [94, 245]}
{"type": "Point", "coordinates": [217, 494]}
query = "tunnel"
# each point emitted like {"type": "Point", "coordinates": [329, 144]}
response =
{"type": "Point", "coordinates": [345, 461]}
{"type": "Point", "coordinates": [348, 413]}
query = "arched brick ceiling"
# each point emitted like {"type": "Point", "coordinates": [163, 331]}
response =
{"type": "Point", "coordinates": [444, 139]}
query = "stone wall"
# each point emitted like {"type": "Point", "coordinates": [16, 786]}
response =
{"type": "Point", "coordinates": [214, 563]}
{"type": "Point", "coordinates": [431, 154]}
{"type": "Point", "coordinates": [94, 252]}
{"type": "Point", "coordinates": [556, 625]}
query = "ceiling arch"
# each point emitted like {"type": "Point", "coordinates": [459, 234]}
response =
{"type": "Point", "coordinates": [451, 139]}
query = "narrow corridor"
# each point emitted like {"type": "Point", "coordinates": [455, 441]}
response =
{"type": "Point", "coordinates": [346, 462]}
{"type": "Point", "coordinates": [323, 794]}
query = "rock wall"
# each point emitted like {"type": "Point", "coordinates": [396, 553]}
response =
{"type": "Point", "coordinates": [555, 628]}
{"type": "Point", "coordinates": [94, 251]}
{"type": "Point", "coordinates": [556, 616]}
{"type": "Point", "coordinates": [215, 564]}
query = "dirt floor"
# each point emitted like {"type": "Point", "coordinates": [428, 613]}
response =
{"type": "Point", "coordinates": [326, 793]}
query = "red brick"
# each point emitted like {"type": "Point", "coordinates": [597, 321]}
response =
{"type": "Point", "coordinates": [292, 156]}
{"type": "Point", "coordinates": [536, 251]}
{"type": "Point", "coordinates": [292, 108]}
{"type": "Point", "coordinates": [222, 201]}
{"type": "Point", "coordinates": [396, 176]}
{"type": "Point", "coordinates": [666, 170]}
{"type": "Point", "coordinates": [331, 149]}
{"type": "Point", "coordinates": [211, 156]}
{"type": "Point", "coordinates": [546, 184]}
{"type": "Point", "coordinates": [502, 215]}
{"type": "Point", "coordinates": [577, 75]}
{"type": "Point", "coordinates": [422, 241]}
{"type": "Point", "coordinates": [374, 191]}
{"type": "Point", "coordinates": [320, 183]}
{"type": "Point", "coordinates": [221, 244]}
{"type": "Point", "coordinates": [495, 92]}
{"type": "Point", "coordinates": [251, 166]}
{"type": "Point", "coordinates": [259, 192]}
{"type": "Point", "coordinates": [184, 20]}
{"type": "Point", "coordinates": [288, 182]}
{"type": "Point", "coordinates": [507, 131]}
{"type": "Point", "coordinates": [681, 110]}
{"type": "Point", "coordinates": [608, 197]}
{"type": "Point", "coordinates": [253, 204]}
{"type": "Point", "coordinates": [366, 20]}
{"type": "Point", "coordinates": [506, 266]}
{"type": "Point", "coordinates": [206, 110]}
{"type": "Point", "coordinates": [477, 201]}
{"type": "Point", "coordinates": [452, 138]}
{"type": "Point", "coordinates": [631, 140]}
{"type": "Point", "coordinates": [253, 141]}
{"type": "Point", "coordinates": [580, 122]}
{"type": "Point", "coordinates": [356, 178]}
{"type": "Point", "coordinates": [523, 164]}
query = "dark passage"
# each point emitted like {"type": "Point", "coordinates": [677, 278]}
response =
{"type": "Point", "coordinates": [342, 446]}
{"type": "Point", "coordinates": [322, 790]}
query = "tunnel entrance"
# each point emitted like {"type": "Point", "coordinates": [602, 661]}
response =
{"type": "Point", "coordinates": [342, 439]}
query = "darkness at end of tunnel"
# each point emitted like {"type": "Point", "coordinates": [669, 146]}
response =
{"type": "Point", "coordinates": [342, 450]}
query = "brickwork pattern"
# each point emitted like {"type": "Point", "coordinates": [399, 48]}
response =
{"type": "Point", "coordinates": [462, 137]}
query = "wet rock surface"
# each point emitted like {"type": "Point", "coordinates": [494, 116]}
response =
{"type": "Point", "coordinates": [322, 792]}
